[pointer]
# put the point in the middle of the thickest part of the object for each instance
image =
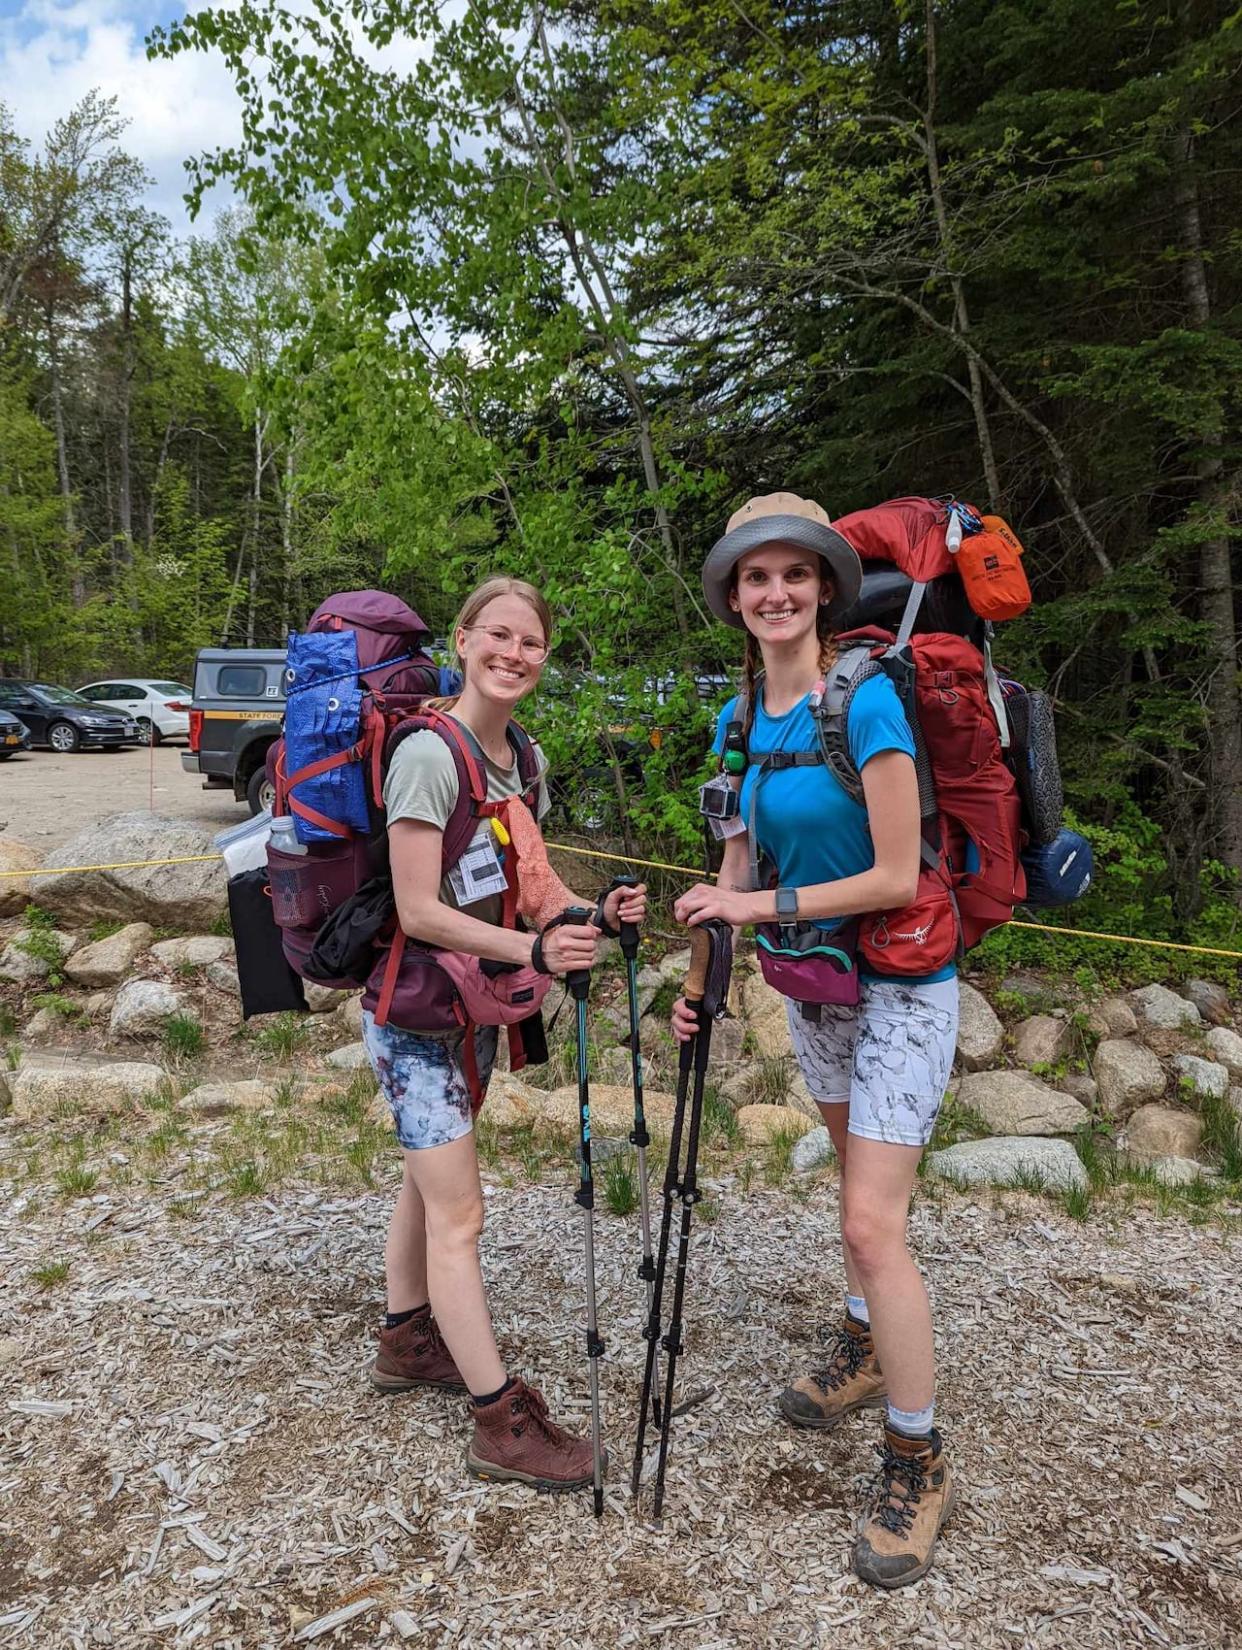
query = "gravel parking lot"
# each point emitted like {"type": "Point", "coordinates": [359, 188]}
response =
{"type": "Point", "coordinates": [45, 799]}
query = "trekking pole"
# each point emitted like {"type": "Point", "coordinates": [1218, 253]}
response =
{"type": "Point", "coordinates": [579, 983]}
{"type": "Point", "coordinates": [639, 1137]}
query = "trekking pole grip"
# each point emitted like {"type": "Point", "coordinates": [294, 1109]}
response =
{"type": "Point", "coordinates": [628, 930]}
{"type": "Point", "coordinates": [700, 962]}
{"type": "Point", "coordinates": [579, 979]}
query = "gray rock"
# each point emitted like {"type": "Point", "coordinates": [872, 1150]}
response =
{"type": "Point", "coordinates": [1180, 1171]}
{"type": "Point", "coordinates": [351, 1015]}
{"type": "Point", "coordinates": [223, 976]}
{"type": "Point", "coordinates": [979, 1031]}
{"type": "Point", "coordinates": [1040, 1041]}
{"type": "Point", "coordinates": [812, 1151]}
{"type": "Point", "coordinates": [727, 1038]}
{"type": "Point", "coordinates": [1207, 1076]}
{"type": "Point", "coordinates": [14, 890]}
{"type": "Point", "coordinates": [1234, 1097]}
{"type": "Point", "coordinates": [142, 1009]}
{"type": "Point", "coordinates": [1029, 986]}
{"type": "Point", "coordinates": [1128, 1074]}
{"type": "Point", "coordinates": [1210, 999]}
{"type": "Point", "coordinates": [350, 1058]}
{"type": "Point", "coordinates": [1161, 1007]}
{"type": "Point", "coordinates": [98, 1004]}
{"type": "Point", "coordinates": [1160, 1131]}
{"type": "Point", "coordinates": [1015, 1103]}
{"type": "Point", "coordinates": [187, 895]}
{"type": "Point", "coordinates": [1084, 1089]}
{"type": "Point", "coordinates": [96, 1087]}
{"type": "Point", "coordinates": [799, 1096]}
{"type": "Point", "coordinates": [766, 1017]}
{"type": "Point", "coordinates": [194, 951]}
{"type": "Point", "coordinates": [321, 999]}
{"type": "Point", "coordinates": [675, 965]}
{"type": "Point", "coordinates": [1006, 1160]}
{"type": "Point", "coordinates": [1226, 1046]}
{"type": "Point", "coordinates": [46, 1023]}
{"type": "Point", "coordinates": [109, 961]}
{"type": "Point", "coordinates": [1117, 1015]}
{"type": "Point", "coordinates": [21, 967]}
{"type": "Point", "coordinates": [248, 1094]}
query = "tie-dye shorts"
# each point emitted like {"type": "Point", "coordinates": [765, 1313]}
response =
{"type": "Point", "coordinates": [423, 1079]}
{"type": "Point", "coordinates": [889, 1058]}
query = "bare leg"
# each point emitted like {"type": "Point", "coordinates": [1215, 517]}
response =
{"type": "Point", "coordinates": [405, 1252]}
{"type": "Point", "coordinates": [875, 1207]}
{"type": "Point", "coordinates": [836, 1116]}
{"type": "Point", "coordinates": [447, 1180]}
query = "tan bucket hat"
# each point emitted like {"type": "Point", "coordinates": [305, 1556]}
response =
{"type": "Point", "coordinates": [786, 518]}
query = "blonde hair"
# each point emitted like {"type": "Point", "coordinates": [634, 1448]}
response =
{"type": "Point", "coordinates": [474, 604]}
{"type": "Point", "coordinates": [753, 656]}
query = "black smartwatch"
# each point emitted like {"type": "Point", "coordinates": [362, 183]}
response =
{"type": "Point", "coordinates": [786, 904]}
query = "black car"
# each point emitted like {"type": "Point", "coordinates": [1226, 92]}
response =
{"type": "Point", "coordinates": [64, 720]}
{"type": "Point", "coordinates": [14, 736]}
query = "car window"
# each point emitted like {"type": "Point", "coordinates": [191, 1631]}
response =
{"type": "Point", "coordinates": [175, 690]}
{"type": "Point", "coordinates": [99, 690]}
{"type": "Point", "coordinates": [56, 695]}
{"type": "Point", "coordinates": [241, 681]}
{"type": "Point", "coordinates": [126, 690]}
{"type": "Point", "coordinates": [9, 695]}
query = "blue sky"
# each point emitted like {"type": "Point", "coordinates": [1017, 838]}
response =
{"type": "Point", "coordinates": [52, 52]}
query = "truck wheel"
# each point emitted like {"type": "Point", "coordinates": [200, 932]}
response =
{"type": "Point", "coordinates": [260, 792]}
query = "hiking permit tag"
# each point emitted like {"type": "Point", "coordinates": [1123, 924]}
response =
{"type": "Point", "coordinates": [478, 874]}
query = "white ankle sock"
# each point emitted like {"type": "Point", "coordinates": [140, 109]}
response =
{"type": "Point", "coordinates": [911, 1423]}
{"type": "Point", "coordinates": [856, 1306]}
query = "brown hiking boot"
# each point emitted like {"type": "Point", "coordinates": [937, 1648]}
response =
{"type": "Point", "coordinates": [414, 1354]}
{"type": "Point", "coordinates": [897, 1540]}
{"type": "Point", "coordinates": [851, 1380]}
{"type": "Point", "coordinates": [514, 1438]}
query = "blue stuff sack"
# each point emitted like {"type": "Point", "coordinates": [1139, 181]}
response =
{"type": "Point", "coordinates": [1058, 872]}
{"type": "Point", "coordinates": [322, 715]}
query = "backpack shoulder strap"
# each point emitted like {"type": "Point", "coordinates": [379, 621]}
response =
{"type": "Point", "coordinates": [831, 710]}
{"type": "Point", "coordinates": [471, 775]}
{"type": "Point", "coordinates": [527, 761]}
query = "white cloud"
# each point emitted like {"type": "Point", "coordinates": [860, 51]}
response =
{"type": "Point", "coordinates": [53, 53]}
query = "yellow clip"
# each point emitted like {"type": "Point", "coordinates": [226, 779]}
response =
{"type": "Point", "coordinates": [502, 836]}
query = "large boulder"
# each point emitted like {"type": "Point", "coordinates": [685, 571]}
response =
{"type": "Point", "coordinates": [979, 1032]}
{"type": "Point", "coordinates": [28, 957]}
{"type": "Point", "coordinates": [760, 1124]}
{"type": "Point", "coordinates": [109, 961]}
{"type": "Point", "coordinates": [15, 890]}
{"type": "Point", "coordinates": [1180, 1171]}
{"type": "Point", "coordinates": [1206, 1077]}
{"type": "Point", "coordinates": [195, 951]}
{"type": "Point", "coordinates": [352, 1057]}
{"type": "Point", "coordinates": [1226, 1046]}
{"type": "Point", "coordinates": [189, 894]}
{"type": "Point", "coordinates": [96, 1087]}
{"type": "Point", "coordinates": [143, 1008]}
{"type": "Point", "coordinates": [1015, 1103]}
{"type": "Point", "coordinates": [224, 976]}
{"type": "Point", "coordinates": [1040, 1041]}
{"type": "Point", "coordinates": [1009, 1161]}
{"type": "Point", "coordinates": [1160, 1131]}
{"type": "Point", "coordinates": [612, 1108]}
{"type": "Point", "coordinates": [767, 1019]}
{"type": "Point", "coordinates": [1210, 999]}
{"type": "Point", "coordinates": [1118, 1017]}
{"type": "Point", "coordinates": [511, 1102]}
{"type": "Point", "coordinates": [1128, 1074]}
{"type": "Point", "coordinates": [247, 1094]}
{"type": "Point", "coordinates": [1161, 1007]}
{"type": "Point", "coordinates": [1084, 1089]}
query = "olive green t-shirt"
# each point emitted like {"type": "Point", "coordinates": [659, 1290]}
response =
{"type": "Point", "coordinates": [422, 784]}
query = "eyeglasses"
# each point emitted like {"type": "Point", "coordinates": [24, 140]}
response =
{"type": "Point", "coordinates": [531, 648]}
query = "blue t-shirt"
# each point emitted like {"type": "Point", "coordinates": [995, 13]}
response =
{"type": "Point", "coordinates": [804, 821]}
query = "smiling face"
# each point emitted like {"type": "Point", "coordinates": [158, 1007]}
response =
{"type": "Point", "coordinates": [496, 649]}
{"type": "Point", "coordinates": [779, 591]}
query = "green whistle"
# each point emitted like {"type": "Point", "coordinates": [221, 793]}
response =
{"type": "Point", "coordinates": [734, 762]}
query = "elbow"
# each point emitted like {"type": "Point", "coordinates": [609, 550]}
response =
{"type": "Point", "coordinates": [413, 917]}
{"type": "Point", "coordinates": [904, 891]}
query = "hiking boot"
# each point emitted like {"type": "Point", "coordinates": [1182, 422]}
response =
{"type": "Point", "coordinates": [514, 1438]}
{"type": "Point", "coordinates": [851, 1380]}
{"type": "Point", "coordinates": [414, 1354]}
{"type": "Point", "coordinates": [897, 1539]}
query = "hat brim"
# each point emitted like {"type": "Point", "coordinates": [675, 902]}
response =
{"type": "Point", "coordinates": [724, 555]}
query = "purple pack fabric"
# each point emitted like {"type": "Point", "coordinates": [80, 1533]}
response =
{"type": "Point", "coordinates": [808, 964]}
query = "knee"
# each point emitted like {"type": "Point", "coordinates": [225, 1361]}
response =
{"type": "Point", "coordinates": [873, 1240]}
{"type": "Point", "coordinates": [458, 1225]}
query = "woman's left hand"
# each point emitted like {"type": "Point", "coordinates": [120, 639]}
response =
{"type": "Point", "coordinates": [626, 905]}
{"type": "Point", "coordinates": [704, 901]}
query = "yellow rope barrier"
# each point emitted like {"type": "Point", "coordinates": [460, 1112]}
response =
{"type": "Point", "coordinates": [656, 865]}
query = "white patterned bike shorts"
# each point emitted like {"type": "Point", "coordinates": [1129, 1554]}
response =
{"type": "Point", "coordinates": [888, 1058]}
{"type": "Point", "coordinates": [424, 1079]}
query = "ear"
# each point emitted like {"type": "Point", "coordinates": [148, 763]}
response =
{"type": "Point", "coordinates": [459, 641]}
{"type": "Point", "coordinates": [733, 601]}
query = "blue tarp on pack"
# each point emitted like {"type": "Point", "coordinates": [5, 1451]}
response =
{"type": "Point", "coordinates": [324, 702]}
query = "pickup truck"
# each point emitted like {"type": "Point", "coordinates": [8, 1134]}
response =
{"type": "Point", "coordinates": [235, 714]}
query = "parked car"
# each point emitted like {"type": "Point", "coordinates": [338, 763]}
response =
{"type": "Point", "coordinates": [235, 715]}
{"type": "Point", "coordinates": [14, 735]}
{"type": "Point", "coordinates": [161, 709]}
{"type": "Point", "coordinates": [64, 720]}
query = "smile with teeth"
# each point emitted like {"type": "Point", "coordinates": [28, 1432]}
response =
{"type": "Point", "coordinates": [779, 616]}
{"type": "Point", "coordinates": [505, 674]}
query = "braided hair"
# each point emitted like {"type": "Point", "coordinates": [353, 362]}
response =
{"type": "Point", "coordinates": [753, 657]}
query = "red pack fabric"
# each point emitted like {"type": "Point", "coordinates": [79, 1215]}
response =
{"type": "Point", "coordinates": [910, 532]}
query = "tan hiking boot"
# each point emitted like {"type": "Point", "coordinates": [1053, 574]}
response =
{"type": "Point", "coordinates": [514, 1438]}
{"type": "Point", "coordinates": [851, 1380]}
{"type": "Point", "coordinates": [412, 1355]}
{"type": "Point", "coordinates": [897, 1540]}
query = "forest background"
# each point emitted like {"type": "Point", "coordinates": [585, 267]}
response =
{"type": "Point", "coordinates": [555, 287]}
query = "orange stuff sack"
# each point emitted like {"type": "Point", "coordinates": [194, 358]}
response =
{"type": "Point", "coordinates": [990, 566]}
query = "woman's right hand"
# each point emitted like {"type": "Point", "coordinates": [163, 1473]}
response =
{"type": "Point", "coordinates": [569, 947]}
{"type": "Point", "coordinates": [684, 1023]}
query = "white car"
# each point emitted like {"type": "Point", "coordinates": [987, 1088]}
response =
{"type": "Point", "coordinates": [161, 709]}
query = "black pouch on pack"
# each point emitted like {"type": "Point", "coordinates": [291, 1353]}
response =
{"type": "Point", "coordinates": [268, 984]}
{"type": "Point", "coordinates": [344, 947]}
{"type": "Point", "coordinates": [534, 1040]}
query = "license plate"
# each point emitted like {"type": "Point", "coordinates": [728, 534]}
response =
{"type": "Point", "coordinates": [12, 739]}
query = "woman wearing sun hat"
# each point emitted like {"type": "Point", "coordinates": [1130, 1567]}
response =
{"type": "Point", "coordinates": [877, 1068]}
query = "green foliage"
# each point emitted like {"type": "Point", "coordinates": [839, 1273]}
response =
{"type": "Point", "coordinates": [1222, 1136]}
{"type": "Point", "coordinates": [621, 1183]}
{"type": "Point", "coordinates": [283, 1036]}
{"type": "Point", "coordinates": [50, 1274]}
{"type": "Point", "coordinates": [184, 1036]}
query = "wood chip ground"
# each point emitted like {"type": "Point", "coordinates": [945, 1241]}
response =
{"type": "Point", "coordinates": [190, 1452]}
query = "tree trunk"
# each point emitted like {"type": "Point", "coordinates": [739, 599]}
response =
{"type": "Point", "coordinates": [78, 583]}
{"type": "Point", "coordinates": [256, 507]}
{"type": "Point", "coordinates": [286, 540]}
{"type": "Point", "coordinates": [125, 504]}
{"type": "Point", "coordinates": [1224, 702]}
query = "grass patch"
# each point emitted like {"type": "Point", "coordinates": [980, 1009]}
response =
{"type": "Point", "coordinates": [770, 1081]}
{"type": "Point", "coordinates": [1027, 1178]}
{"type": "Point", "coordinates": [778, 1156]}
{"type": "Point", "coordinates": [59, 1004]}
{"type": "Point", "coordinates": [1222, 1136]}
{"type": "Point", "coordinates": [38, 941]}
{"type": "Point", "coordinates": [954, 1122]}
{"type": "Point", "coordinates": [222, 926]}
{"type": "Point", "coordinates": [104, 929]}
{"type": "Point", "coordinates": [247, 1179]}
{"type": "Point", "coordinates": [76, 1180]}
{"type": "Point", "coordinates": [1100, 1164]}
{"type": "Point", "coordinates": [183, 1036]}
{"type": "Point", "coordinates": [47, 1277]}
{"type": "Point", "coordinates": [284, 1036]}
{"type": "Point", "coordinates": [621, 1183]}
{"type": "Point", "coordinates": [1076, 1201]}
{"type": "Point", "coordinates": [719, 1122]}
{"type": "Point", "coordinates": [8, 1021]}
